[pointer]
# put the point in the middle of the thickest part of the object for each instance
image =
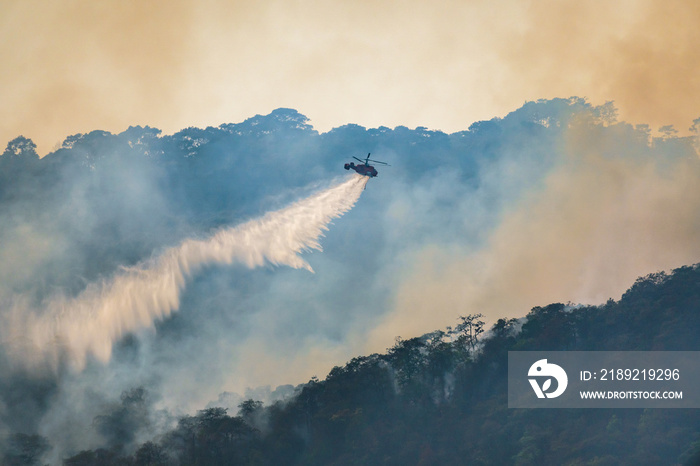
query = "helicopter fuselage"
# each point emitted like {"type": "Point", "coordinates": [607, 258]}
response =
{"type": "Point", "coordinates": [363, 169]}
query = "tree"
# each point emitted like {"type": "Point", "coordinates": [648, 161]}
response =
{"type": "Point", "coordinates": [222, 439]}
{"type": "Point", "coordinates": [151, 454]}
{"type": "Point", "coordinates": [249, 407]}
{"type": "Point", "coordinates": [25, 449]}
{"type": "Point", "coordinates": [407, 357]}
{"type": "Point", "coordinates": [504, 328]}
{"type": "Point", "coordinates": [17, 165]}
{"type": "Point", "coordinates": [550, 327]}
{"type": "Point", "coordinates": [121, 424]}
{"type": "Point", "coordinates": [21, 147]}
{"type": "Point", "coordinates": [501, 338]}
{"type": "Point", "coordinates": [99, 457]}
{"type": "Point", "coordinates": [468, 330]}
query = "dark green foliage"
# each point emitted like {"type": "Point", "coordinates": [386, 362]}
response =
{"type": "Point", "coordinates": [441, 398]}
{"type": "Point", "coordinates": [99, 457]}
{"type": "Point", "coordinates": [25, 450]}
{"type": "Point", "coordinates": [120, 425]}
{"type": "Point", "coordinates": [550, 328]}
{"type": "Point", "coordinates": [211, 437]}
{"type": "Point", "coordinates": [150, 454]}
{"type": "Point", "coordinates": [249, 408]}
{"type": "Point", "coordinates": [468, 331]}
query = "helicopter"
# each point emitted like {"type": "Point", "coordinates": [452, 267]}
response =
{"type": "Point", "coordinates": [365, 169]}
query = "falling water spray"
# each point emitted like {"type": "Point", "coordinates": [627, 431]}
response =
{"type": "Point", "coordinates": [89, 324]}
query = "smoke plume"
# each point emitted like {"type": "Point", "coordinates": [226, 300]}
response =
{"type": "Point", "coordinates": [71, 329]}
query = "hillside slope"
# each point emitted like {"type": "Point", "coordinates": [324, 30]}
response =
{"type": "Point", "coordinates": [442, 399]}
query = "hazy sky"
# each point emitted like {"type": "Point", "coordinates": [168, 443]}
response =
{"type": "Point", "coordinates": [575, 215]}
{"type": "Point", "coordinates": [73, 66]}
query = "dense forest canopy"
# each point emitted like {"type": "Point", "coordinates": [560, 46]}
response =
{"type": "Point", "coordinates": [441, 399]}
{"type": "Point", "coordinates": [555, 202]}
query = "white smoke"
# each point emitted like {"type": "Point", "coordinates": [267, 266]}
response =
{"type": "Point", "coordinates": [70, 329]}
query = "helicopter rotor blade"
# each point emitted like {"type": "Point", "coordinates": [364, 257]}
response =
{"type": "Point", "coordinates": [358, 159]}
{"type": "Point", "coordinates": [377, 161]}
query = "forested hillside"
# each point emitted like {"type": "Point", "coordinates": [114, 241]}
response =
{"type": "Point", "coordinates": [556, 201]}
{"type": "Point", "coordinates": [441, 398]}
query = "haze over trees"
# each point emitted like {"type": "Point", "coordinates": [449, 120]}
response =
{"type": "Point", "coordinates": [441, 398]}
{"type": "Point", "coordinates": [556, 186]}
